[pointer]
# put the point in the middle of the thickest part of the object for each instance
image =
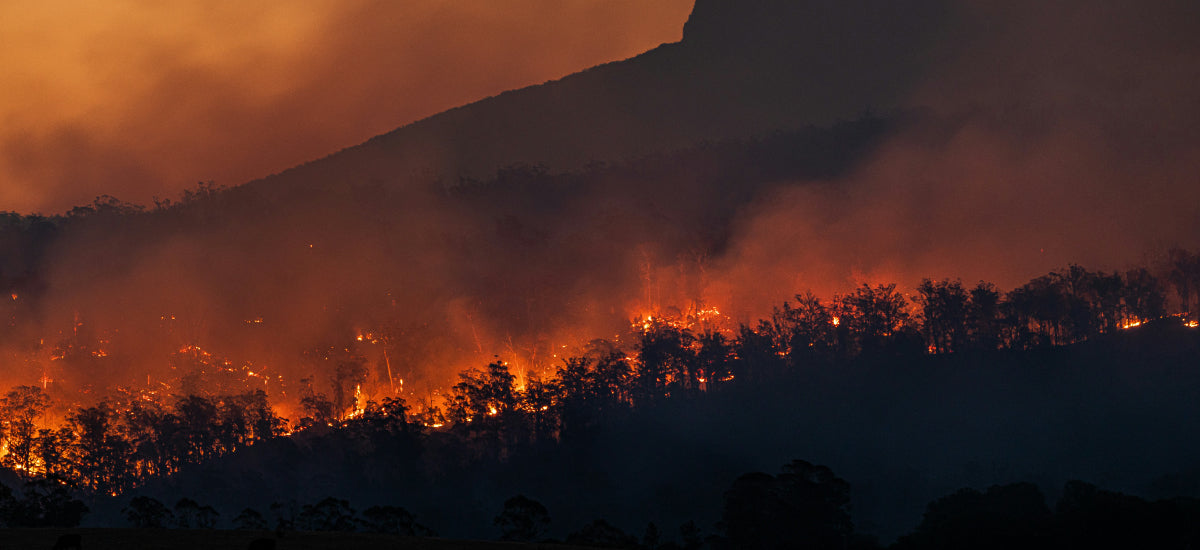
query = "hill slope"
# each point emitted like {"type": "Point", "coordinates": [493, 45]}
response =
{"type": "Point", "coordinates": [742, 69]}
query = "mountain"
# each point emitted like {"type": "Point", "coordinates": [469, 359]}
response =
{"type": "Point", "coordinates": [742, 69]}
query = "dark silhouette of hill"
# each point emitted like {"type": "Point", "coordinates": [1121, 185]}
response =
{"type": "Point", "coordinates": [742, 69]}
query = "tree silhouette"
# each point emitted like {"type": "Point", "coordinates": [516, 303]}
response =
{"type": "Point", "coordinates": [651, 538]}
{"type": "Point", "coordinates": [249, 519]}
{"type": "Point", "coordinates": [806, 331]}
{"type": "Point", "coordinates": [394, 520]}
{"type": "Point", "coordinates": [665, 362]}
{"type": "Point", "coordinates": [102, 454]}
{"type": "Point", "coordinates": [522, 519]}
{"type": "Point", "coordinates": [805, 506]}
{"type": "Point", "coordinates": [330, 514]}
{"type": "Point", "coordinates": [1183, 272]}
{"type": "Point", "coordinates": [19, 411]}
{"type": "Point", "coordinates": [47, 503]}
{"type": "Point", "coordinates": [480, 395]}
{"type": "Point", "coordinates": [187, 513]}
{"type": "Point", "coordinates": [349, 373]}
{"type": "Point", "coordinates": [1004, 516]}
{"type": "Point", "coordinates": [602, 534]}
{"type": "Point", "coordinates": [878, 316]}
{"type": "Point", "coordinates": [984, 322]}
{"type": "Point", "coordinates": [1145, 297]}
{"type": "Point", "coordinates": [147, 512]}
{"type": "Point", "coordinates": [945, 308]}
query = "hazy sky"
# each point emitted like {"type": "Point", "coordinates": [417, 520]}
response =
{"type": "Point", "coordinates": [137, 99]}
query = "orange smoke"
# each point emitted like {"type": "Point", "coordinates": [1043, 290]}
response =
{"type": "Point", "coordinates": [139, 100]}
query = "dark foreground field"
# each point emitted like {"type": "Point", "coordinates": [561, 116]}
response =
{"type": "Point", "coordinates": [210, 539]}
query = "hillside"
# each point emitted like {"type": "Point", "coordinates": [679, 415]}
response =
{"type": "Point", "coordinates": [742, 69]}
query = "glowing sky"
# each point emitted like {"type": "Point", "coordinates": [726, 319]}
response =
{"type": "Point", "coordinates": [138, 99]}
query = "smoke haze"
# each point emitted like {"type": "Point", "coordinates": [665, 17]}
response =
{"type": "Point", "coordinates": [1046, 135]}
{"type": "Point", "coordinates": [137, 99]}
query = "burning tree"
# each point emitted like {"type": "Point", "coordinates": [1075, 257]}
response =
{"type": "Point", "coordinates": [20, 410]}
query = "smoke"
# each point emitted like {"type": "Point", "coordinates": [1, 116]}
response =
{"type": "Point", "coordinates": [138, 100]}
{"type": "Point", "coordinates": [1047, 134]}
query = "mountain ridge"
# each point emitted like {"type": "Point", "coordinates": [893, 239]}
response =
{"type": "Point", "coordinates": [713, 84]}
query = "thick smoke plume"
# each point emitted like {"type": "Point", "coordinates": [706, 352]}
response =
{"type": "Point", "coordinates": [1044, 135]}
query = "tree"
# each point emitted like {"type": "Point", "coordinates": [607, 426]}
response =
{"type": "Point", "coordinates": [481, 394]}
{"type": "Point", "coordinates": [665, 361]}
{"type": "Point", "coordinates": [983, 317]}
{"type": "Point", "coordinates": [249, 519]}
{"type": "Point", "coordinates": [187, 513]}
{"type": "Point", "coordinates": [19, 411]}
{"type": "Point", "coordinates": [651, 538]}
{"type": "Point", "coordinates": [713, 360]}
{"type": "Point", "coordinates": [146, 512]}
{"type": "Point", "coordinates": [806, 332]}
{"type": "Point", "coordinates": [806, 506]}
{"type": "Point", "coordinates": [537, 403]}
{"type": "Point", "coordinates": [52, 448]}
{"type": "Point", "coordinates": [690, 536]}
{"type": "Point", "coordinates": [199, 421]}
{"type": "Point", "coordinates": [101, 452]}
{"type": "Point", "coordinates": [602, 534]}
{"type": "Point", "coordinates": [394, 520]}
{"type": "Point", "coordinates": [756, 353]}
{"type": "Point", "coordinates": [1089, 517]}
{"type": "Point", "coordinates": [206, 517]}
{"type": "Point", "coordinates": [1183, 272]}
{"type": "Point", "coordinates": [8, 506]}
{"type": "Point", "coordinates": [47, 503]}
{"type": "Point", "coordinates": [944, 315]}
{"type": "Point", "coordinates": [1145, 297]}
{"type": "Point", "coordinates": [284, 513]}
{"type": "Point", "coordinates": [522, 519]}
{"type": "Point", "coordinates": [609, 384]}
{"type": "Point", "coordinates": [318, 410]}
{"type": "Point", "coordinates": [330, 514]}
{"type": "Point", "coordinates": [1003, 516]}
{"type": "Point", "coordinates": [877, 315]}
{"type": "Point", "coordinates": [349, 373]}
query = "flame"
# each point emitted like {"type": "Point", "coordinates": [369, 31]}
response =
{"type": "Point", "coordinates": [836, 320]}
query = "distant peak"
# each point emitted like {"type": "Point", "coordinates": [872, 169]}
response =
{"type": "Point", "coordinates": [807, 23]}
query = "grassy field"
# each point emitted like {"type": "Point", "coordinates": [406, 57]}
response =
{"type": "Point", "coordinates": [198, 539]}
